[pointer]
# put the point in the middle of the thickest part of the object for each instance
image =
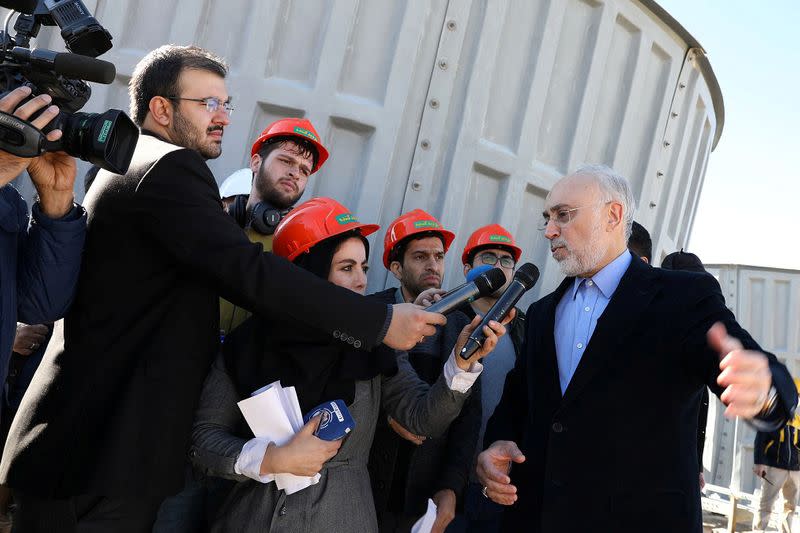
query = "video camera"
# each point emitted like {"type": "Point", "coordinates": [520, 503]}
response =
{"type": "Point", "coordinates": [105, 139]}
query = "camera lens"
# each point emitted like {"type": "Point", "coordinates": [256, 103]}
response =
{"type": "Point", "coordinates": [105, 139]}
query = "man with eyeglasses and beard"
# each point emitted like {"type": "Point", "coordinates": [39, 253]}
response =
{"type": "Point", "coordinates": [102, 433]}
{"type": "Point", "coordinates": [282, 159]}
{"type": "Point", "coordinates": [607, 389]}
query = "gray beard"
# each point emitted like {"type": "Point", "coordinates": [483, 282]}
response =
{"type": "Point", "coordinates": [580, 261]}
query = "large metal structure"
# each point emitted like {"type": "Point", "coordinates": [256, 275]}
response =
{"type": "Point", "coordinates": [469, 109]}
{"type": "Point", "coordinates": [764, 302]}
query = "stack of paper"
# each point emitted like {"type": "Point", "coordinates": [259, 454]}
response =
{"type": "Point", "coordinates": [273, 412]}
{"type": "Point", "coordinates": [425, 523]}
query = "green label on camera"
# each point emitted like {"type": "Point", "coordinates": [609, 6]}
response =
{"type": "Point", "coordinates": [104, 131]}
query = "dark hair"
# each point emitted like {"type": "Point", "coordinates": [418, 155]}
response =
{"type": "Point", "coordinates": [319, 257]}
{"type": "Point", "coordinates": [304, 147]}
{"type": "Point", "coordinates": [640, 243]}
{"type": "Point", "coordinates": [398, 252]}
{"type": "Point", "coordinates": [478, 249]}
{"type": "Point", "coordinates": [683, 261]}
{"type": "Point", "coordinates": [158, 72]}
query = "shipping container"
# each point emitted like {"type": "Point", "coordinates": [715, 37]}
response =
{"type": "Point", "coordinates": [469, 109]}
{"type": "Point", "coordinates": [764, 301]}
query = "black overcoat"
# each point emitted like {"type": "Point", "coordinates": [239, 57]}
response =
{"type": "Point", "coordinates": [618, 452]}
{"type": "Point", "coordinates": [110, 410]}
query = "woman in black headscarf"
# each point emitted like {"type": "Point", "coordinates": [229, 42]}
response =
{"type": "Point", "coordinates": [324, 238]}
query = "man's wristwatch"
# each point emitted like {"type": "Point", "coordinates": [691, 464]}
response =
{"type": "Point", "coordinates": [770, 402]}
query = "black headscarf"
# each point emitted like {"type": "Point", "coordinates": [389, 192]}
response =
{"type": "Point", "coordinates": [262, 350]}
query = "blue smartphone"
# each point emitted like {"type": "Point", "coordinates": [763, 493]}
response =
{"type": "Point", "coordinates": [336, 421]}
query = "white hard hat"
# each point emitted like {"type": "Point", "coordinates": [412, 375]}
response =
{"type": "Point", "coordinates": [237, 183]}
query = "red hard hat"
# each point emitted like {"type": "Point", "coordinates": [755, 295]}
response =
{"type": "Point", "coordinates": [491, 235]}
{"type": "Point", "coordinates": [293, 127]}
{"type": "Point", "coordinates": [407, 224]}
{"type": "Point", "coordinates": [312, 222]}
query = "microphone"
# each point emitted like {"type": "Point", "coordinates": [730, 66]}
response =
{"type": "Point", "coordinates": [474, 273]}
{"type": "Point", "coordinates": [471, 275]}
{"type": "Point", "coordinates": [69, 65]}
{"type": "Point", "coordinates": [483, 285]}
{"type": "Point", "coordinates": [526, 277]}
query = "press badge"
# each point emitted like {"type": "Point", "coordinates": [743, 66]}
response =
{"type": "Point", "coordinates": [336, 421]}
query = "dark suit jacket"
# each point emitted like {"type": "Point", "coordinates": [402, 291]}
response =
{"type": "Point", "coordinates": [618, 453]}
{"type": "Point", "coordinates": [404, 475]}
{"type": "Point", "coordinates": [110, 409]}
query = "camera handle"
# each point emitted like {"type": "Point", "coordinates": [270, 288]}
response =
{"type": "Point", "coordinates": [21, 138]}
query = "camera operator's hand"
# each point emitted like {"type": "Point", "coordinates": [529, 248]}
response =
{"type": "Point", "coordinates": [53, 173]}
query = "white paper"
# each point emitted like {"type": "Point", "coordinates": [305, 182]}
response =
{"type": "Point", "coordinates": [273, 412]}
{"type": "Point", "coordinates": [266, 416]}
{"type": "Point", "coordinates": [293, 408]}
{"type": "Point", "coordinates": [291, 483]}
{"type": "Point", "coordinates": [425, 524]}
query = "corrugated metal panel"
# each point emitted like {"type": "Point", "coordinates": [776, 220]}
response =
{"type": "Point", "coordinates": [550, 85]}
{"type": "Point", "coordinates": [469, 109]}
{"type": "Point", "coordinates": [762, 300]}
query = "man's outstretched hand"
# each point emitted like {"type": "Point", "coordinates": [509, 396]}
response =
{"type": "Point", "coordinates": [494, 463]}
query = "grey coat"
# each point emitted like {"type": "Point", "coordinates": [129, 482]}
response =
{"type": "Point", "coordinates": [342, 500]}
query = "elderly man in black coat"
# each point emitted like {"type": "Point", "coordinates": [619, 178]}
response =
{"type": "Point", "coordinates": [599, 417]}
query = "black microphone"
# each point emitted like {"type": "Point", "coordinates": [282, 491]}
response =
{"type": "Point", "coordinates": [526, 277]}
{"type": "Point", "coordinates": [69, 65]}
{"type": "Point", "coordinates": [471, 275]}
{"type": "Point", "coordinates": [485, 284]}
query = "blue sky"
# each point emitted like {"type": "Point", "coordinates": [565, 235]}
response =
{"type": "Point", "coordinates": [749, 210]}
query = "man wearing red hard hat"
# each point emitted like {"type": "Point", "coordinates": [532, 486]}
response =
{"type": "Point", "coordinates": [413, 250]}
{"type": "Point", "coordinates": [282, 159]}
{"type": "Point", "coordinates": [407, 469]}
{"type": "Point", "coordinates": [495, 246]}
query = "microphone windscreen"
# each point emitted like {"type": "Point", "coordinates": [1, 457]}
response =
{"type": "Point", "coordinates": [85, 68]}
{"type": "Point", "coordinates": [477, 271]}
{"type": "Point", "coordinates": [528, 275]}
{"type": "Point", "coordinates": [490, 281]}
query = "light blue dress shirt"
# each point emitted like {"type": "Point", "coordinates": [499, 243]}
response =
{"type": "Point", "coordinates": [577, 313]}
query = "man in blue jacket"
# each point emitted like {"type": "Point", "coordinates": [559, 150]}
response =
{"type": "Point", "coordinates": [39, 262]}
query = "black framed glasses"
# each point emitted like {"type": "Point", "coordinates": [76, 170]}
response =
{"type": "Point", "coordinates": [488, 258]}
{"type": "Point", "coordinates": [212, 103]}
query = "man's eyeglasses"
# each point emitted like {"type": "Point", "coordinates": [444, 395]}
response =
{"type": "Point", "coordinates": [562, 216]}
{"type": "Point", "coordinates": [212, 103]}
{"type": "Point", "coordinates": [488, 258]}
